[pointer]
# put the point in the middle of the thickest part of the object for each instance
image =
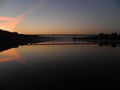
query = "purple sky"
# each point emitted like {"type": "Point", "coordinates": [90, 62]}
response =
{"type": "Point", "coordinates": [64, 16]}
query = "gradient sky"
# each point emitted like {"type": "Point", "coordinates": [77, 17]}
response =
{"type": "Point", "coordinates": [63, 16]}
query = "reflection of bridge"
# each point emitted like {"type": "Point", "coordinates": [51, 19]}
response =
{"type": "Point", "coordinates": [68, 34]}
{"type": "Point", "coordinates": [62, 43]}
{"type": "Point", "coordinates": [75, 42]}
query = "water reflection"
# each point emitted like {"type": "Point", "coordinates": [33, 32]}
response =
{"type": "Point", "coordinates": [80, 42]}
{"type": "Point", "coordinates": [8, 52]}
{"type": "Point", "coordinates": [11, 55]}
{"type": "Point", "coordinates": [1, 88]}
{"type": "Point", "coordinates": [57, 64]}
{"type": "Point", "coordinates": [7, 46]}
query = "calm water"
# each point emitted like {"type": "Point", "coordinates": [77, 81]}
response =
{"type": "Point", "coordinates": [57, 66]}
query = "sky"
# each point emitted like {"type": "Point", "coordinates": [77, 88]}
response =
{"type": "Point", "coordinates": [60, 16]}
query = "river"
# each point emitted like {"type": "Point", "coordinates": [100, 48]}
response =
{"type": "Point", "coordinates": [57, 65]}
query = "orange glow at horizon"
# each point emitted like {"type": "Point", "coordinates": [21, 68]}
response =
{"type": "Point", "coordinates": [11, 23]}
{"type": "Point", "coordinates": [5, 18]}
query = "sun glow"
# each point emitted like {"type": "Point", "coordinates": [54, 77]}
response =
{"type": "Point", "coordinates": [6, 28]}
{"type": "Point", "coordinates": [9, 23]}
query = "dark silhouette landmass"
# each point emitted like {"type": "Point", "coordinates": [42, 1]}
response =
{"type": "Point", "coordinates": [102, 39]}
{"type": "Point", "coordinates": [13, 39]}
{"type": "Point", "coordinates": [101, 36]}
{"type": "Point", "coordinates": [6, 36]}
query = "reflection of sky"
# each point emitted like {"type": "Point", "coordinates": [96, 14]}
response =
{"type": "Point", "coordinates": [65, 16]}
{"type": "Point", "coordinates": [49, 63]}
{"type": "Point", "coordinates": [10, 55]}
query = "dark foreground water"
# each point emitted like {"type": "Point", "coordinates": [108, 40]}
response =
{"type": "Point", "coordinates": [38, 67]}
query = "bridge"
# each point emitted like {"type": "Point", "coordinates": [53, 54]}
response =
{"type": "Point", "coordinates": [63, 34]}
{"type": "Point", "coordinates": [53, 39]}
{"type": "Point", "coordinates": [53, 43]}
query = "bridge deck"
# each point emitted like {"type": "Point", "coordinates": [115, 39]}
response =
{"type": "Point", "coordinates": [62, 44]}
{"type": "Point", "coordinates": [64, 34]}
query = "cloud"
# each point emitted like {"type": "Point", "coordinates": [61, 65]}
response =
{"type": "Point", "coordinates": [11, 23]}
{"type": "Point", "coordinates": [5, 18]}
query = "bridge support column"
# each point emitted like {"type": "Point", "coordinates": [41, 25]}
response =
{"type": "Point", "coordinates": [74, 39]}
